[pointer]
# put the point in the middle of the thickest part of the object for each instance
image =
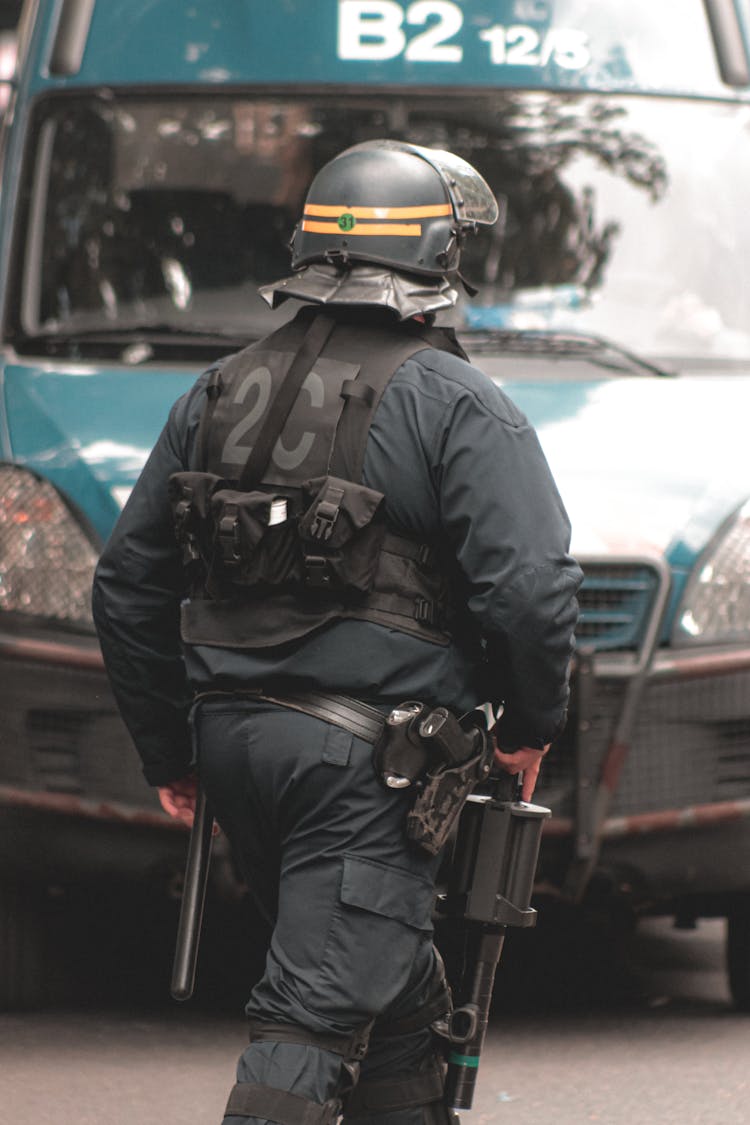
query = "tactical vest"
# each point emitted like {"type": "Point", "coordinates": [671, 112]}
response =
{"type": "Point", "coordinates": [278, 535]}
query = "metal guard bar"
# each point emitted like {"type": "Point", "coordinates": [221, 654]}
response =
{"type": "Point", "coordinates": [661, 820]}
{"type": "Point", "coordinates": [90, 809]}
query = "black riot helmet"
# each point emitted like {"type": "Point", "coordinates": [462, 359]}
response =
{"type": "Point", "coordinates": [395, 204]}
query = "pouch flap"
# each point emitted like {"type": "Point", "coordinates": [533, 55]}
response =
{"type": "Point", "coordinates": [195, 489]}
{"type": "Point", "coordinates": [336, 509]}
{"type": "Point", "coordinates": [389, 891]}
{"type": "Point", "coordinates": [245, 514]}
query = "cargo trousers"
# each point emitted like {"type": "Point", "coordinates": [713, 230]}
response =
{"type": "Point", "coordinates": [322, 847]}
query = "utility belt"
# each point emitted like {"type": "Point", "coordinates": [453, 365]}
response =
{"type": "Point", "coordinates": [428, 749]}
{"type": "Point", "coordinates": [352, 715]}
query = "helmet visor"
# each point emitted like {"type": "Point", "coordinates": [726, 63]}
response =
{"type": "Point", "coordinates": [470, 194]}
{"type": "Point", "coordinates": [472, 199]}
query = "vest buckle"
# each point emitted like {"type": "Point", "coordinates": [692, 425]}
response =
{"type": "Point", "coordinates": [426, 555]}
{"type": "Point", "coordinates": [184, 532]}
{"type": "Point", "coordinates": [326, 514]}
{"type": "Point", "coordinates": [228, 535]}
{"type": "Point", "coordinates": [183, 508]}
{"type": "Point", "coordinates": [424, 611]}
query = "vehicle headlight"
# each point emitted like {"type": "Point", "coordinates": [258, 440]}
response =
{"type": "Point", "coordinates": [716, 604]}
{"type": "Point", "coordinates": [46, 559]}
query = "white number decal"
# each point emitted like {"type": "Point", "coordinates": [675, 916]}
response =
{"type": "Point", "coordinates": [430, 45]}
{"type": "Point", "coordinates": [571, 48]}
{"type": "Point", "coordinates": [373, 30]}
{"type": "Point", "coordinates": [370, 29]}
{"type": "Point", "coordinates": [518, 46]}
{"type": "Point", "coordinates": [495, 36]}
{"type": "Point", "coordinates": [521, 43]}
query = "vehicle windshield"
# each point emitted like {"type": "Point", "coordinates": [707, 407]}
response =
{"type": "Point", "coordinates": [620, 216]}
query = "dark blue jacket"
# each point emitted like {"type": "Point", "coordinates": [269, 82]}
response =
{"type": "Point", "coordinates": [455, 459]}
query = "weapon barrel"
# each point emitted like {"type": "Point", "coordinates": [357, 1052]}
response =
{"type": "Point", "coordinates": [463, 1060]}
{"type": "Point", "coordinates": [193, 898]}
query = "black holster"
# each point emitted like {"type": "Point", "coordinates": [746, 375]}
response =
{"type": "Point", "coordinates": [442, 756]}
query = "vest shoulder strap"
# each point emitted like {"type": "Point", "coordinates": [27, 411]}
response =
{"type": "Point", "coordinates": [213, 390]}
{"type": "Point", "coordinates": [382, 351]}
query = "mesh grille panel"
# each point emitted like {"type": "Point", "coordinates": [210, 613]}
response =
{"type": "Point", "coordinates": [690, 746]}
{"type": "Point", "coordinates": [615, 601]}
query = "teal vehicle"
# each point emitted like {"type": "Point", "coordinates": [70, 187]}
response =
{"type": "Point", "coordinates": [155, 156]}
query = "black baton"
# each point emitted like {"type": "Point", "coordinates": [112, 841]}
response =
{"type": "Point", "coordinates": [193, 897]}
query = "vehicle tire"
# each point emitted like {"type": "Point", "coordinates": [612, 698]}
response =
{"type": "Point", "coordinates": [738, 953]}
{"type": "Point", "coordinates": [23, 961]}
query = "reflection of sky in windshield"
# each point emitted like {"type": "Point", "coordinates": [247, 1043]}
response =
{"type": "Point", "coordinates": [683, 284]}
{"type": "Point", "coordinates": [667, 180]}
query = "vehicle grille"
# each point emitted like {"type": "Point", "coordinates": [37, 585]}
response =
{"type": "Point", "coordinates": [615, 601]}
{"type": "Point", "coordinates": [55, 736]}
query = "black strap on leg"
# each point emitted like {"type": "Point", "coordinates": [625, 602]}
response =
{"type": "Point", "coordinates": [386, 1095]}
{"type": "Point", "coordinates": [352, 1048]}
{"type": "Point", "coordinates": [249, 1100]}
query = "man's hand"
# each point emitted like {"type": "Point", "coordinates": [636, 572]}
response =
{"type": "Point", "coordinates": [178, 798]}
{"type": "Point", "coordinates": [526, 760]}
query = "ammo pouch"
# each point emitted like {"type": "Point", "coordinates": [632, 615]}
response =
{"type": "Point", "coordinates": [190, 500]}
{"type": "Point", "coordinates": [249, 550]}
{"type": "Point", "coordinates": [225, 534]}
{"type": "Point", "coordinates": [443, 757]}
{"type": "Point", "coordinates": [340, 532]}
{"type": "Point", "coordinates": [231, 535]}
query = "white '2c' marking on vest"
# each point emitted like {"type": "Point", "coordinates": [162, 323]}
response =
{"type": "Point", "coordinates": [234, 453]}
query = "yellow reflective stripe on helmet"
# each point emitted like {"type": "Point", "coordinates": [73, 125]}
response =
{"type": "Point", "coordinates": [428, 211]}
{"type": "Point", "coordinates": [408, 229]}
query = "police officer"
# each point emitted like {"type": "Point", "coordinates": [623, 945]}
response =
{"type": "Point", "coordinates": [341, 517]}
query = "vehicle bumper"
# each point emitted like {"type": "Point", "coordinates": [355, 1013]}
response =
{"type": "Point", "coordinates": [74, 801]}
{"type": "Point", "coordinates": [660, 804]}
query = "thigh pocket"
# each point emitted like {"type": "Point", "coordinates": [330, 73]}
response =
{"type": "Point", "coordinates": [382, 916]}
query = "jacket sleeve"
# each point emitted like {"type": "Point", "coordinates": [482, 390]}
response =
{"type": "Point", "coordinates": [138, 586]}
{"type": "Point", "coordinates": [511, 535]}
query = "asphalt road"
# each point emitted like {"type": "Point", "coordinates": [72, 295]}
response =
{"type": "Point", "coordinates": [588, 1029]}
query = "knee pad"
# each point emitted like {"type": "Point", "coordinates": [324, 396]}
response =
{"type": "Point", "coordinates": [249, 1099]}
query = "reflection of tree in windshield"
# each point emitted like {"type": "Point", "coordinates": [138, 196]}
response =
{"type": "Point", "coordinates": [547, 233]}
{"type": "Point", "coordinates": [151, 209]}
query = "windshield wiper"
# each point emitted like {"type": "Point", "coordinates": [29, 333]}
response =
{"type": "Point", "coordinates": [541, 341]}
{"type": "Point", "coordinates": [129, 334]}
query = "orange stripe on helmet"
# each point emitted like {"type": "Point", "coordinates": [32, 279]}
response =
{"type": "Point", "coordinates": [428, 211]}
{"type": "Point", "coordinates": [404, 229]}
